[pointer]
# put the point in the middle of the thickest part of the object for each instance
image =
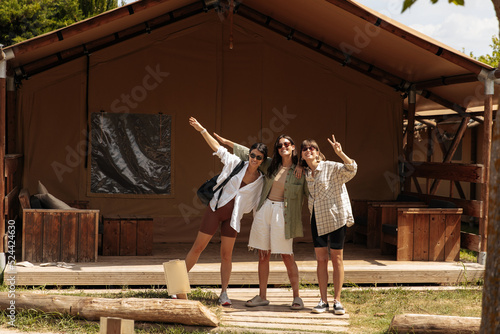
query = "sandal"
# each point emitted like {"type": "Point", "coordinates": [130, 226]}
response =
{"type": "Point", "coordinates": [257, 301]}
{"type": "Point", "coordinates": [298, 304]}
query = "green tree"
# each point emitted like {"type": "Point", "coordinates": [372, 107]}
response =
{"type": "Point", "coordinates": [24, 19]}
{"type": "Point", "coordinates": [493, 59]}
{"type": "Point", "coordinates": [93, 7]}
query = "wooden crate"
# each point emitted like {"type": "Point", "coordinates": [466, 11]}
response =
{"type": "Point", "coordinates": [50, 235]}
{"type": "Point", "coordinates": [426, 234]}
{"type": "Point", "coordinates": [131, 235]}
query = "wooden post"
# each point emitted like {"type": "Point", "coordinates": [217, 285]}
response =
{"type": "Point", "coordinates": [410, 134]}
{"type": "Point", "coordinates": [3, 86]}
{"type": "Point", "coordinates": [486, 149]}
{"type": "Point", "coordinates": [490, 321]}
{"type": "Point", "coordinates": [11, 142]}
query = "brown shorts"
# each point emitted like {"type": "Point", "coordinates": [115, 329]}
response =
{"type": "Point", "coordinates": [211, 219]}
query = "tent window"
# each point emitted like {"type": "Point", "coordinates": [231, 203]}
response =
{"type": "Point", "coordinates": [131, 154]}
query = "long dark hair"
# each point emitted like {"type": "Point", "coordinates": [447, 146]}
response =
{"type": "Point", "coordinates": [276, 161]}
{"type": "Point", "coordinates": [261, 147]}
{"type": "Point", "coordinates": [307, 143]}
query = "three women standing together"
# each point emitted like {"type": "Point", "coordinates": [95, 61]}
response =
{"type": "Point", "coordinates": [275, 190]}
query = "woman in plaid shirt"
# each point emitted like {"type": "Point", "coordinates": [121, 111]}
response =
{"type": "Point", "coordinates": [331, 212]}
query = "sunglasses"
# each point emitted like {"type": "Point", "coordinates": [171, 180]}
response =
{"type": "Point", "coordinates": [312, 148]}
{"type": "Point", "coordinates": [286, 144]}
{"type": "Point", "coordinates": [254, 156]}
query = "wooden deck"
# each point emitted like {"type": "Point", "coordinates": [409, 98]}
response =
{"type": "Point", "coordinates": [362, 266]}
{"type": "Point", "coordinates": [277, 316]}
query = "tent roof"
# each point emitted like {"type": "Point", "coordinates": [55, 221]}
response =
{"type": "Point", "coordinates": [348, 32]}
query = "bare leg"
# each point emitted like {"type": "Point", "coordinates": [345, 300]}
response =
{"type": "Point", "coordinates": [293, 272]}
{"type": "Point", "coordinates": [338, 270]}
{"type": "Point", "coordinates": [264, 257]}
{"type": "Point", "coordinates": [201, 242]}
{"type": "Point", "coordinates": [226, 265]}
{"type": "Point", "coordinates": [322, 271]}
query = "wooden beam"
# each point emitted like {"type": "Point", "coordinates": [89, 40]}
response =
{"type": "Point", "coordinates": [471, 208]}
{"type": "Point", "coordinates": [410, 136]}
{"type": "Point", "coordinates": [448, 104]}
{"type": "Point", "coordinates": [454, 145]}
{"type": "Point", "coordinates": [444, 81]}
{"type": "Point", "coordinates": [448, 171]}
{"type": "Point", "coordinates": [470, 241]}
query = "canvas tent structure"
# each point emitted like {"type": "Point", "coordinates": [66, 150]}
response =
{"type": "Point", "coordinates": [99, 109]}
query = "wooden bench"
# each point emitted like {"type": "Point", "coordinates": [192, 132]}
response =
{"type": "Point", "coordinates": [130, 235]}
{"type": "Point", "coordinates": [424, 234]}
{"type": "Point", "coordinates": [54, 235]}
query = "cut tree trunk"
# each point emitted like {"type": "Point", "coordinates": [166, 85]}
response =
{"type": "Point", "coordinates": [187, 312]}
{"type": "Point", "coordinates": [424, 323]}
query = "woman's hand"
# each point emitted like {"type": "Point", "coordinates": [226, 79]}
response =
{"type": "Point", "coordinates": [336, 145]}
{"type": "Point", "coordinates": [338, 150]}
{"type": "Point", "coordinates": [195, 124]}
{"type": "Point", "coordinates": [224, 141]}
{"type": "Point", "coordinates": [298, 171]}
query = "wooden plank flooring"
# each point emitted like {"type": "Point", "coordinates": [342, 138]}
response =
{"type": "Point", "coordinates": [362, 266]}
{"type": "Point", "coordinates": [277, 317]}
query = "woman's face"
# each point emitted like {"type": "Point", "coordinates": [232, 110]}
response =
{"type": "Point", "coordinates": [285, 148]}
{"type": "Point", "coordinates": [309, 153]}
{"type": "Point", "coordinates": [255, 158]}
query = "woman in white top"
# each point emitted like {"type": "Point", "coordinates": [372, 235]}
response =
{"type": "Point", "coordinates": [331, 212]}
{"type": "Point", "coordinates": [239, 196]}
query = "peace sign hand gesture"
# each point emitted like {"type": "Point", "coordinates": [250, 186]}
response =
{"type": "Point", "coordinates": [336, 145]}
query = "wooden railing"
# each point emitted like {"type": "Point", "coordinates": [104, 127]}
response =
{"type": "Point", "coordinates": [455, 172]}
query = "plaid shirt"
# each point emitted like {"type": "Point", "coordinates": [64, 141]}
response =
{"type": "Point", "coordinates": [328, 195]}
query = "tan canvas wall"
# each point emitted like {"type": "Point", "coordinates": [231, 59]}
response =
{"type": "Point", "coordinates": [265, 86]}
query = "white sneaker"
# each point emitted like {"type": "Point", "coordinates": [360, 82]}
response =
{"type": "Point", "coordinates": [224, 300]}
{"type": "Point", "coordinates": [321, 307]}
{"type": "Point", "coordinates": [338, 308]}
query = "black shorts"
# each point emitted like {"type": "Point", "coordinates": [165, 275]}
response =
{"type": "Point", "coordinates": [336, 238]}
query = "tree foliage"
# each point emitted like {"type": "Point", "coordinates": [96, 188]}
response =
{"type": "Point", "coordinates": [24, 19]}
{"type": "Point", "coordinates": [408, 3]}
{"type": "Point", "coordinates": [493, 59]}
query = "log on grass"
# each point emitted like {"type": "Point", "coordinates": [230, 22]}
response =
{"type": "Point", "coordinates": [187, 312]}
{"type": "Point", "coordinates": [424, 323]}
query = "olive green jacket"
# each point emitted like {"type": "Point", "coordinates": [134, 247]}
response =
{"type": "Point", "coordinates": [295, 193]}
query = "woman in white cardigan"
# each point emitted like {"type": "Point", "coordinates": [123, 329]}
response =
{"type": "Point", "coordinates": [239, 196]}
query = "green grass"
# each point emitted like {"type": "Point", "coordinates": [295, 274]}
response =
{"type": "Point", "coordinates": [371, 309]}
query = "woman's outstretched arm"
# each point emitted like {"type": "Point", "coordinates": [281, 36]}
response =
{"type": "Point", "coordinates": [214, 144]}
{"type": "Point", "coordinates": [224, 141]}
